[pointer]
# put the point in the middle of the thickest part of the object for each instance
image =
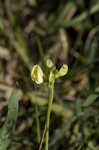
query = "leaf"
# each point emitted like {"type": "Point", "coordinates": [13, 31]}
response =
{"type": "Point", "coordinates": [8, 128]}
{"type": "Point", "coordinates": [97, 89]}
{"type": "Point", "coordinates": [91, 98]}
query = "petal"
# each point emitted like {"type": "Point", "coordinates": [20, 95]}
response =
{"type": "Point", "coordinates": [63, 71]}
{"type": "Point", "coordinates": [37, 74]}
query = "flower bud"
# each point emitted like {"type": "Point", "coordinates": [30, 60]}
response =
{"type": "Point", "coordinates": [37, 74]}
{"type": "Point", "coordinates": [51, 77]}
{"type": "Point", "coordinates": [49, 63]}
{"type": "Point", "coordinates": [63, 71]}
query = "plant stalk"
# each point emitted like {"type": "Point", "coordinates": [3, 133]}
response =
{"type": "Point", "coordinates": [38, 124]}
{"type": "Point", "coordinates": [51, 90]}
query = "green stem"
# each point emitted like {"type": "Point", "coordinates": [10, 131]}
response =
{"type": "Point", "coordinates": [38, 124]}
{"type": "Point", "coordinates": [40, 48]}
{"type": "Point", "coordinates": [51, 89]}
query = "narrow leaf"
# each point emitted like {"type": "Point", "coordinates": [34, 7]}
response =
{"type": "Point", "coordinates": [91, 98]}
{"type": "Point", "coordinates": [7, 130]}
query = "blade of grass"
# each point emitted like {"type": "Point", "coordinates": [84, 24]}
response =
{"type": "Point", "coordinates": [38, 124]}
{"type": "Point", "coordinates": [91, 98]}
{"type": "Point", "coordinates": [40, 48]}
{"type": "Point", "coordinates": [20, 40]}
{"type": "Point", "coordinates": [17, 41]}
{"type": "Point", "coordinates": [81, 17]}
{"type": "Point", "coordinates": [6, 132]}
{"type": "Point", "coordinates": [58, 109]}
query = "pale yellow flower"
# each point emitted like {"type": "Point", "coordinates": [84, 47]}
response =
{"type": "Point", "coordinates": [49, 63]}
{"type": "Point", "coordinates": [37, 74]}
{"type": "Point", "coordinates": [62, 72]}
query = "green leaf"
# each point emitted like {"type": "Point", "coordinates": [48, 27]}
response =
{"type": "Point", "coordinates": [90, 99]}
{"type": "Point", "coordinates": [97, 89]}
{"type": "Point", "coordinates": [8, 128]}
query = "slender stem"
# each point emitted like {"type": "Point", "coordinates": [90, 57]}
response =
{"type": "Point", "coordinates": [38, 124]}
{"type": "Point", "coordinates": [40, 48]}
{"type": "Point", "coordinates": [51, 87]}
{"type": "Point", "coordinates": [41, 143]}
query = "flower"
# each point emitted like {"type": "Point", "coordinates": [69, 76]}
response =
{"type": "Point", "coordinates": [63, 71]}
{"type": "Point", "coordinates": [37, 74]}
{"type": "Point", "coordinates": [49, 63]}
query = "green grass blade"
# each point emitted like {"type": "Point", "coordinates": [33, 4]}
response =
{"type": "Point", "coordinates": [7, 130]}
{"type": "Point", "coordinates": [91, 98]}
{"type": "Point", "coordinates": [78, 19]}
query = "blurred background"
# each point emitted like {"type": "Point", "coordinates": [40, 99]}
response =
{"type": "Point", "coordinates": [66, 32]}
